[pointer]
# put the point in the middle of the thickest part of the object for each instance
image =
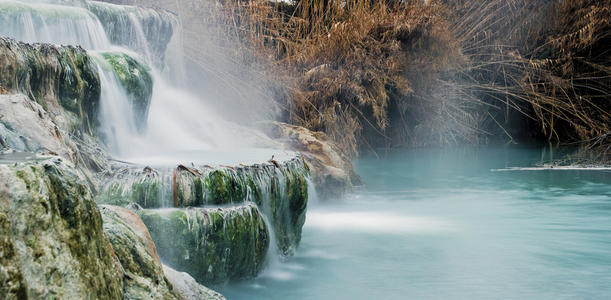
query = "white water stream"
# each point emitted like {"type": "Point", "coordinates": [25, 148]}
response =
{"type": "Point", "coordinates": [178, 121]}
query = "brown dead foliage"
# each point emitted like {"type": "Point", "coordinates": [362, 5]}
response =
{"type": "Point", "coordinates": [389, 73]}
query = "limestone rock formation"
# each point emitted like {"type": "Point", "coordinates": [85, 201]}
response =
{"type": "Point", "coordinates": [214, 245]}
{"type": "Point", "coordinates": [187, 288]}
{"type": "Point", "coordinates": [62, 79]}
{"type": "Point", "coordinates": [279, 189]}
{"type": "Point", "coordinates": [52, 244]}
{"type": "Point", "coordinates": [145, 276]}
{"type": "Point", "coordinates": [332, 172]}
{"type": "Point", "coordinates": [143, 273]}
{"type": "Point", "coordinates": [26, 126]}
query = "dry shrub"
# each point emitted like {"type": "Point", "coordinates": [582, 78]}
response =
{"type": "Point", "coordinates": [344, 63]}
{"type": "Point", "coordinates": [399, 73]}
{"type": "Point", "coordinates": [546, 60]}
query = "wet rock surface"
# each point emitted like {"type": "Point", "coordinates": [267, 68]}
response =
{"type": "Point", "coordinates": [187, 288]}
{"type": "Point", "coordinates": [332, 172]}
{"type": "Point", "coordinates": [52, 242]}
{"type": "Point", "coordinates": [143, 273]}
{"type": "Point", "coordinates": [278, 188]}
{"type": "Point", "coordinates": [214, 245]}
{"type": "Point", "coordinates": [62, 79]}
{"type": "Point", "coordinates": [25, 126]}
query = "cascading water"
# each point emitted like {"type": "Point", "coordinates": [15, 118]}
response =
{"type": "Point", "coordinates": [50, 23]}
{"type": "Point", "coordinates": [147, 117]}
{"type": "Point", "coordinates": [178, 122]}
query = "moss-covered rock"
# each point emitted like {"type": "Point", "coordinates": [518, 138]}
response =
{"type": "Point", "coordinates": [135, 77]}
{"type": "Point", "coordinates": [279, 189]}
{"type": "Point", "coordinates": [214, 245]}
{"type": "Point", "coordinates": [52, 244]}
{"type": "Point", "coordinates": [144, 276]}
{"type": "Point", "coordinates": [62, 79]}
{"type": "Point", "coordinates": [143, 186]}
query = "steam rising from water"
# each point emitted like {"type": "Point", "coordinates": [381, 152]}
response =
{"type": "Point", "coordinates": [375, 222]}
{"type": "Point", "coordinates": [178, 121]}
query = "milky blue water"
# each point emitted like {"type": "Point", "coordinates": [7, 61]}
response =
{"type": "Point", "coordinates": [439, 224]}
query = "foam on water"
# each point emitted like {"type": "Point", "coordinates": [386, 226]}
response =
{"type": "Point", "coordinates": [375, 222]}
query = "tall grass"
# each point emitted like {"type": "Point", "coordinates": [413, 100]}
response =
{"type": "Point", "coordinates": [402, 73]}
{"type": "Point", "coordinates": [546, 60]}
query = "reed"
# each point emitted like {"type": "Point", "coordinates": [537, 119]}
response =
{"type": "Point", "coordinates": [389, 73]}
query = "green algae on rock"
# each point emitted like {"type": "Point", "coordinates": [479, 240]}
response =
{"type": "Point", "coordinates": [214, 245]}
{"type": "Point", "coordinates": [62, 79]}
{"type": "Point", "coordinates": [279, 189]}
{"type": "Point", "coordinates": [135, 77]}
{"type": "Point", "coordinates": [52, 236]}
{"type": "Point", "coordinates": [142, 186]}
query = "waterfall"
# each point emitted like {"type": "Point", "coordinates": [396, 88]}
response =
{"type": "Point", "coordinates": [134, 122]}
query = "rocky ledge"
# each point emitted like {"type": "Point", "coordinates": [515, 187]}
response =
{"type": "Point", "coordinates": [55, 243]}
{"type": "Point", "coordinates": [216, 223]}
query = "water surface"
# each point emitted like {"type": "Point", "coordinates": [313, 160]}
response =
{"type": "Point", "coordinates": [439, 224]}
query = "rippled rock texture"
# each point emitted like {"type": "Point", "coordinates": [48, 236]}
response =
{"type": "Point", "coordinates": [212, 244]}
{"type": "Point", "coordinates": [52, 244]}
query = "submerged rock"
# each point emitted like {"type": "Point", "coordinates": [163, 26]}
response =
{"type": "Point", "coordinates": [62, 79]}
{"type": "Point", "coordinates": [52, 244]}
{"type": "Point", "coordinates": [140, 29]}
{"type": "Point", "coordinates": [332, 172]}
{"type": "Point", "coordinates": [212, 244]}
{"type": "Point", "coordinates": [135, 77]}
